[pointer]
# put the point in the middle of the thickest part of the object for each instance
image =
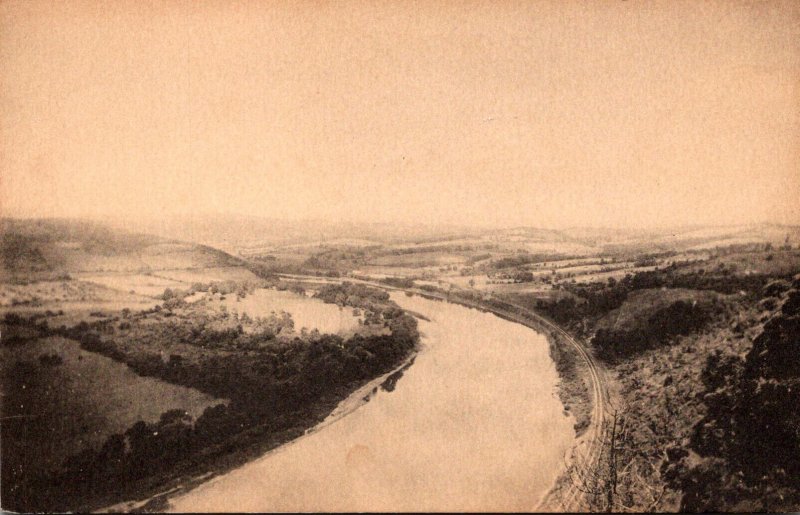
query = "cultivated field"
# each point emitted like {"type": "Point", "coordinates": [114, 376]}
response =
{"type": "Point", "coordinates": [306, 312]}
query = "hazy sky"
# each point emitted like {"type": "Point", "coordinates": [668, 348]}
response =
{"type": "Point", "coordinates": [619, 113]}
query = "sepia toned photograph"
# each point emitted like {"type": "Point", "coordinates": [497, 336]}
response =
{"type": "Point", "coordinates": [399, 256]}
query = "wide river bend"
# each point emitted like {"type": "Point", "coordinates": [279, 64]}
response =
{"type": "Point", "coordinates": [474, 424]}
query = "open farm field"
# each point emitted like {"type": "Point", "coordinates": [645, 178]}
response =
{"type": "Point", "coordinates": [419, 260]}
{"type": "Point", "coordinates": [306, 312]}
{"type": "Point", "coordinates": [69, 302]}
{"type": "Point", "coordinates": [534, 288]}
{"type": "Point", "coordinates": [568, 248]}
{"type": "Point", "coordinates": [60, 400]}
{"type": "Point", "coordinates": [613, 274]}
{"type": "Point", "coordinates": [379, 272]}
{"type": "Point", "coordinates": [328, 243]}
{"type": "Point", "coordinates": [529, 287]}
{"type": "Point", "coordinates": [565, 263]}
{"type": "Point", "coordinates": [205, 275]}
{"type": "Point", "coordinates": [143, 284]}
{"type": "Point", "coordinates": [44, 293]}
{"type": "Point", "coordinates": [769, 262]}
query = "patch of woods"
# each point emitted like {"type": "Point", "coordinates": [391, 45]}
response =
{"type": "Point", "coordinates": [526, 258]}
{"type": "Point", "coordinates": [229, 287]}
{"type": "Point", "coordinates": [593, 300]}
{"type": "Point", "coordinates": [276, 388]}
{"type": "Point", "coordinates": [583, 307]}
{"type": "Point", "coordinates": [652, 318]}
{"type": "Point", "coordinates": [516, 276]}
{"type": "Point", "coordinates": [748, 442]}
{"type": "Point", "coordinates": [20, 253]}
{"type": "Point", "coordinates": [398, 282]}
{"type": "Point", "coordinates": [337, 259]}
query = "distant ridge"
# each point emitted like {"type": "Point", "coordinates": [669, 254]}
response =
{"type": "Point", "coordinates": [50, 248]}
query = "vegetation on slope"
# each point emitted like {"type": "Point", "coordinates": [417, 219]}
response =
{"type": "Point", "coordinates": [650, 318]}
{"type": "Point", "coordinates": [54, 248]}
{"type": "Point", "coordinates": [749, 438]}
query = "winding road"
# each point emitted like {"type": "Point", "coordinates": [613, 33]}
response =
{"type": "Point", "coordinates": [589, 447]}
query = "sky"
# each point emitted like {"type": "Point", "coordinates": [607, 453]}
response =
{"type": "Point", "coordinates": [550, 114]}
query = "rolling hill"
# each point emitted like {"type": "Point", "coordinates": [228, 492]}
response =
{"type": "Point", "coordinates": [51, 248]}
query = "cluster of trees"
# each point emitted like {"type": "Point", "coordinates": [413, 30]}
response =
{"type": "Point", "coordinates": [335, 259]}
{"type": "Point", "coordinates": [431, 288]}
{"type": "Point", "coordinates": [525, 259]}
{"type": "Point", "coordinates": [223, 330]}
{"type": "Point", "coordinates": [398, 282]}
{"type": "Point", "coordinates": [240, 288]}
{"type": "Point", "coordinates": [448, 268]}
{"type": "Point", "coordinates": [18, 330]}
{"type": "Point", "coordinates": [477, 257]}
{"type": "Point", "coordinates": [264, 267]}
{"type": "Point", "coordinates": [349, 258]}
{"type": "Point", "coordinates": [749, 436]}
{"type": "Point", "coordinates": [590, 301]}
{"type": "Point", "coordinates": [373, 302]}
{"type": "Point", "coordinates": [21, 253]}
{"type": "Point", "coordinates": [355, 295]}
{"type": "Point", "coordinates": [518, 276]}
{"type": "Point", "coordinates": [677, 318]}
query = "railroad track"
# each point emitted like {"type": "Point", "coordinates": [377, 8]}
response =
{"type": "Point", "coordinates": [589, 458]}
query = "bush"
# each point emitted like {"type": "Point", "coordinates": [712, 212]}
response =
{"type": "Point", "coordinates": [50, 360]}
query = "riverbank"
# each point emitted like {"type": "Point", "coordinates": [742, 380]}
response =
{"type": "Point", "coordinates": [580, 393]}
{"type": "Point", "coordinates": [575, 392]}
{"type": "Point", "coordinates": [328, 411]}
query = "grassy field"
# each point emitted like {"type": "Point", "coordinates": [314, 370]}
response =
{"type": "Point", "coordinates": [306, 312]}
{"type": "Point", "coordinates": [211, 274]}
{"type": "Point", "coordinates": [421, 259]}
{"type": "Point", "coordinates": [60, 400]}
{"type": "Point", "coordinates": [44, 249]}
{"type": "Point", "coordinates": [142, 284]}
{"type": "Point", "coordinates": [68, 302]}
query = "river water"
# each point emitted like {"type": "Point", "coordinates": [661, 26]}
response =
{"type": "Point", "coordinates": [474, 424]}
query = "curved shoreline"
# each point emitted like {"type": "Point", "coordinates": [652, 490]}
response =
{"type": "Point", "coordinates": [160, 502]}
{"type": "Point", "coordinates": [587, 447]}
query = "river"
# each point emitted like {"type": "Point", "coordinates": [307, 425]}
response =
{"type": "Point", "coordinates": [474, 424]}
